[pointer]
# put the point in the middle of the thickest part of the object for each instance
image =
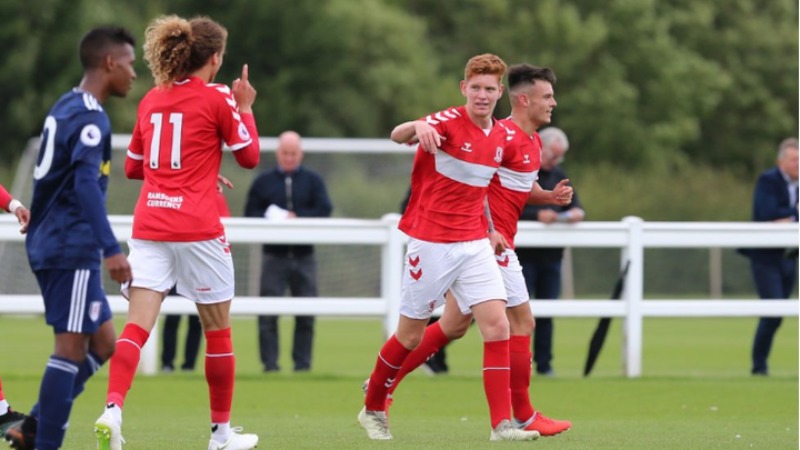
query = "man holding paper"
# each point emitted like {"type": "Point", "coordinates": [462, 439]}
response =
{"type": "Point", "coordinates": [285, 192]}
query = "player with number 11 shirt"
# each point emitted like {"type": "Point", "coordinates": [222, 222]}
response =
{"type": "Point", "coordinates": [176, 148]}
{"type": "Point", "coordinates": [178, 239]}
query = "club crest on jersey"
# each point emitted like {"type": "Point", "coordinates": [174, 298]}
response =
{"type": "Point", "coordinates": [90, 135]}
{"type": "Point", "coordinates": [94, 310]}
{"type": "Point", "coordinates": [467, 147]}
{"type": "Point", "coordinates": [526, 159]}
{"type": "Point", "coordinates": [243, 133]}
{"type": "Point", "coordinates": [498, 155]}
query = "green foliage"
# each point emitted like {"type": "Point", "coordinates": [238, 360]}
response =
{"type": "Point", "coordinates": [679, 192]}
{"type": "Point", "coordinates": [643, 86]}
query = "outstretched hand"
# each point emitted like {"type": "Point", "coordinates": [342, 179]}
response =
{"type": "Point", "coordinates": [243, 91]}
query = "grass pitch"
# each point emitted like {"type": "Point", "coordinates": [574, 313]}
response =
{"type": "Point", "coordinates": [695, 392]}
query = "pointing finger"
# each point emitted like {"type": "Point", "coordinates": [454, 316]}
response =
{"type": "Point", "coordinates": [245, 72]}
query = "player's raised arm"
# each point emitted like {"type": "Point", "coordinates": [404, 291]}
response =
{"type": "Point", "coordinates": [244, 92]}
{"type": "Point", "coordinates": [245, 144]}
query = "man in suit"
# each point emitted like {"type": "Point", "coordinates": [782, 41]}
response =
{"type": "Point", "coordinates": [774, 269]}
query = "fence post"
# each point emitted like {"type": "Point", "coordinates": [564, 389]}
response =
{"type": "Point", "coordinates": [391, 273]}
{"type": "Point", "coordinates": [634, 291]}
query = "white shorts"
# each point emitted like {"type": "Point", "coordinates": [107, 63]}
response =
{"type": "Point", "coordinates": [516, 289]}
{"type": "Point", "coordinates": [201, 271]}
{"type": "Point", "coordinates": [431, 268]}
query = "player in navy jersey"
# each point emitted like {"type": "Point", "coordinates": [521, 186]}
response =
{"type": "Point", "coordinates": [69, 234]}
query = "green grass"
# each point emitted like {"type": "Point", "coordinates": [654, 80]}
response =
{"type": "Point", "coordinates": [695, 393]}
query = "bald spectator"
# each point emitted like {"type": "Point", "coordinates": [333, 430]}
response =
{"type": "Point", "coordinates": [285, 192]}
{"type": "Point", "coordinates": [542, 266]}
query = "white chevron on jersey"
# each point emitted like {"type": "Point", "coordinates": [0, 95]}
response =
{"type": "Point", "coordinates": [516, 181]}
{"type": "Point", "coordinates": [442, 116]}
{"type": "Point", "coordinates": [509, 133]}
{"type": "Point", "coordinates": [471, 174]}
{"type": "Point", "coordinates": [91, 103]}
{"type": "Point", "coordinates": [220, 87]}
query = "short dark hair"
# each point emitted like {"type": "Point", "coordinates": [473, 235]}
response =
{"type": "Point", "coordinates": [522, 74]}
{"type": "Point", "coordinates": [98, 41]}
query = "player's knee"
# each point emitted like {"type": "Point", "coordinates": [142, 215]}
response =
{"type": "Point", "coordinates": [520, 326]}
{"type": "Point", "coordinates": [495, 329]}
{"type": "Point", "coordinates": [103, 350]}
{"type": "Point", "coordinates": [456, 330]}
{"type": "Point", "coordinates": [71, 349]}
{"type": "Point", "coordinates": [409, 340]}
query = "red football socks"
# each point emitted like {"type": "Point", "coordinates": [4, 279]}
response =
{"type": "Point", "coordinates": [220, 372]}
{"type": "Point", "coordinates": [390, 359]}
{"type": "Point", "coordinates": [519, 348]}
{"type": "Point", "coordinates": [433, 341]}
{"type": "Point", "coordinates": [496, 379]}
{"type": "Point", "coordinates": [124, 362]}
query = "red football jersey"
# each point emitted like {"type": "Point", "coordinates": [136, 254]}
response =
{"type": "Point", "coordinates": [511, 186]}
{"type": "Point", "coordinates": [178, 140]}
{"type": "Point", "coordinates": [448, 188]}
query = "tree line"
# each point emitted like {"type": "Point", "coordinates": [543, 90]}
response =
{"type": "Point", "coordinates": [641, 83]}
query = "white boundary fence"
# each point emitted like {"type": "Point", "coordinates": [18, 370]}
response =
{"type": "Point", "coordinates": [632, 236]}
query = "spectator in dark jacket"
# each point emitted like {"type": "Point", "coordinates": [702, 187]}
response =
{"type": "Point", "coordinates": [284, 192]}
{"type": "Point", "coordinates": [542, 266]}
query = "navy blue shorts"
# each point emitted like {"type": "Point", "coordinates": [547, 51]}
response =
{"type": "Point", "coordinates": [74, 300]}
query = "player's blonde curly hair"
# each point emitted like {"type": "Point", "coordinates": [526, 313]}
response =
{"type": "Point", "coordinates": [485, 64]}
{"type": "Point", "coordinates": [175, 47]}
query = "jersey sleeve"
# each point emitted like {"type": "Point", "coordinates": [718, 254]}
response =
{"type": "Point", "coordinates": [442, 120]}
{"type": "Point", "coordinates": [91, 130]}
{"type": "Point", "coordinates": [5, 199]}
{"type": "Point", "coordinates": [134, 161]}
{"type": "Point", "coordinates": [238, 130]}
{"type": "Point", "coordinates": [232, 128]}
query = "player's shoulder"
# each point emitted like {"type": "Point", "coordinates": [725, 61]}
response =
{"type": "Point", "coordinates": [78, 109]}
{"type": "Point", "coordinates": [452, 114]}
{"type": "Point", "coordinates": [507, 130]}
{"type": "Point", "coordinates": [76, 102]}
{"type": "Point", "coordinates": [509, 127]}
{"type": "Point", "coordinates": [217, 91]}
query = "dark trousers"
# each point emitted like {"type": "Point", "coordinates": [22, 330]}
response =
{"type": "Point", "coordinates": [774, 280]}
{"type": "Point", "coordinates": [170, 336]}
{"type": "Point", "coordinates": [544, 283]}
{"type": "Point", "coordinates": [299, 274]}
